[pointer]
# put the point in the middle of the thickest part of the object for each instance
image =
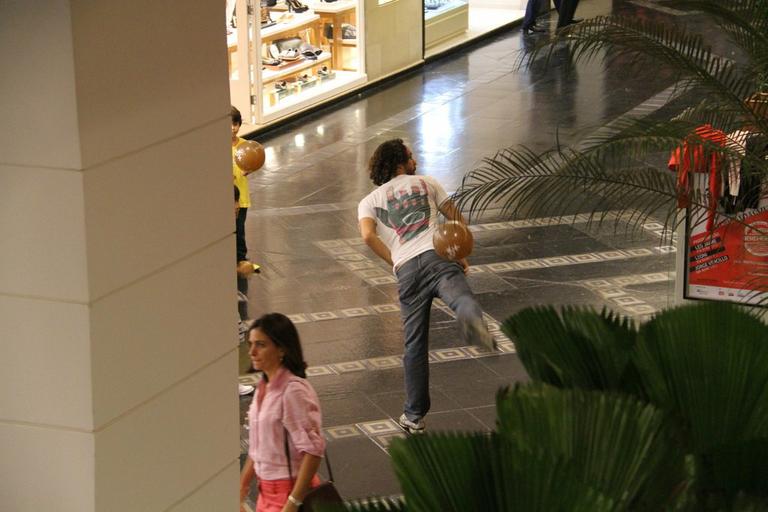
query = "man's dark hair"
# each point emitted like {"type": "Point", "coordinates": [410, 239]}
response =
{"type": "Point", "coordinates": [235, 115]}
{"type": "Point", "coordinates": [237, 194]}
{"type": "Point", "coordinates": [283, 333]}
{"type": "Point", "coordinates": [386, 159]}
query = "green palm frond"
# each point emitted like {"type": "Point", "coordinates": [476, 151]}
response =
{"type": "Point", "coordinates": [575, 347]}
{"type": "Point", "coordinates": [745, 22]}
{"type": "Point", "coordinates": [708, 364]}
{"type": "Point", "coordinates": [523, 183]}
{"type": "Point", "coordinates": [454, 472]}
{"type": "Point", "coordinates": [369, 505]}
{"type": "Point", "coordinates": [627, 449]}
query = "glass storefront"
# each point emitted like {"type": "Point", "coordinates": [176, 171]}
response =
{"type": "Point", "coordinates": [286, 56]}
{"type": "Point", "coordinates": [297, 53]}
{"type": "Point", "coordinates": [448, 23]}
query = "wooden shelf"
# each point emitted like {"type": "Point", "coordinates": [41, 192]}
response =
{"type": "Point", "coordinates": [270, 75]}
{"type": "Point", "coordinates": [298, 23]}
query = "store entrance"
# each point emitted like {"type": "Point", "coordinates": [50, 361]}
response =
{"type": "Point", "coordinates": [449, 23]}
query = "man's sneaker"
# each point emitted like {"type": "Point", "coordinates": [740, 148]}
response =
{"type": "Point", "coordinates": [245, 389]}
{"type": "Point", "coordinates": [412, 427]}
{"type": "Point", "coordinates": [476, 333]}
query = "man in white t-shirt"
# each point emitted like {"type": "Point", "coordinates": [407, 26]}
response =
{"type": "Point", "coordinates": [397, 221]}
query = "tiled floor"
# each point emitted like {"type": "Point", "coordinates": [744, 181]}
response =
{"type": "Point", "coordinates": [302, 229]}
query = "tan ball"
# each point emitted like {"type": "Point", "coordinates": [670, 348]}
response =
{"type": "Point", "coordinates": [453, 240]}
{"type": "Point", "coordinates": [249, 156]}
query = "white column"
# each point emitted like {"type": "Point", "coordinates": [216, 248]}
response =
{"type": "Point", "coordinates": [117, 303]}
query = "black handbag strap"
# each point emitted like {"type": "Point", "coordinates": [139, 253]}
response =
{"type": "Point", "coordinates": [288, 458]}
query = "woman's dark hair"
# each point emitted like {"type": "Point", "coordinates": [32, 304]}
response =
{"type": "Point", "coordinates": [237, 194]}
{"type": "Point", "coordinates": [386, 159]}
{"type": "Point", "coordinates": [283, 333]}
{"type": "Point", "coordinates": [235, 115]}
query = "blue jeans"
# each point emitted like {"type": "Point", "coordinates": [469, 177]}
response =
{"type": "Point", "coordinates": [421, 279]}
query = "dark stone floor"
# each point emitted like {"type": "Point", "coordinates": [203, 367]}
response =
{"type": "Point", "coordinates": [302, 229]}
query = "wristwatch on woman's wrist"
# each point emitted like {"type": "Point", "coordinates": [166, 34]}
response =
{"type": "Point", "coordinates": [294, 500]}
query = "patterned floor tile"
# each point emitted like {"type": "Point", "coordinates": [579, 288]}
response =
{"type": "Point", "coordinates": [608, 293]}
{"type": "Point", "coordinates": [359, 265]}
{"type": "Point", "coordinates": [384, 441]}
{"type": "Point", "coordinates": [623, 281]}
{"type": "Point", "coordinates": [584, 258]}
{"type": "Point", "coordinates": [349, 366]}
{"type": "Point", "coordinates": [449, 354]}
{"type": "Point", "coordinates": [640, 252]}
{"type": "Point", "coordinates": [372, 272]}
{"type": "Point", "coordinates": [526, 264]}
{"type": "Point", "coordinates": [597, 283]}
{"type": "Point", "coordinates": [387, 308]}
{"type": "Point", "coordinates": [375, 428]}
{"type": "Point", "coordinates": [342, 432]}
{"type": "Point", "coordinates": [382, 280]}
{"type": "Point", "coordinates": [500, 267]}
{"type": "Point", "coordinates": [351, 257]}
{"type": "Point", "coordinates": [611, 255]}
{"type": "Point", "coordinates": [385, 362]}
{"type": "Point", "coordinates": [627, 301]}
{"type": "Point", "coordinates": [353, 312]}
{"type": "Point", "coordinates": [330, 244]}
{"type": "Point", "coordinates": [658, 277]}
{"type": "Point", "coordinates": [474, 351]}
{"type": "Point", "coordinates": [554, 262]}
{"type": "Point", "coordinates": [298, 319]}
{"type": "Point", "coordinates": [323, 315]}
{"type": "Point", "coordinates": [344, 249]}
{"type": "Point", "coordinates": [642, 309]}
{"type": "Point", "coordinates": [316, 371]}
{"type": "Point", "coordinates": [507, 347]}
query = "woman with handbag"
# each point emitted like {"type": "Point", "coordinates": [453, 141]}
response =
{"type": "Point", "coordinates": [284, 420]}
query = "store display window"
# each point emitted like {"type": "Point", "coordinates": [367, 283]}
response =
{"type": "Point", "coordinates": [448, 23]}
{"type": "Point", "coordinates": [299, 54]}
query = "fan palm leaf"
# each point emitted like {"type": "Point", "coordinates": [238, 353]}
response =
{"type": "Point", "coordinates": [627, 449]}
{"type": "Point", "coordinates": [481, 472]}
{"type": "Point", "coordinates": [575, 347]}
{"type": "Point", "coordinates": [708, 365]}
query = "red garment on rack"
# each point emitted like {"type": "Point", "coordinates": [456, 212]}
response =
{"type": "Point", "coordinates": [692, 156]}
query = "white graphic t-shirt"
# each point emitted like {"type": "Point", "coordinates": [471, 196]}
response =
{"type": "Point", "coordinates": [405, 210]}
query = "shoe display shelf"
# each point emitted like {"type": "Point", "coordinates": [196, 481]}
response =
{"type": "Point", "coordinates": [298, 95]}
{"type": "Point", "coordinates": [449, 19]}
{"type": "Point", "coordinates": [293, 85]}
{"type": "Point", "coordinates": [337, 14]}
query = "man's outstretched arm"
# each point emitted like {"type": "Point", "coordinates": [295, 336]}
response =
{"type": "Point", "coordinates": [372, 240]}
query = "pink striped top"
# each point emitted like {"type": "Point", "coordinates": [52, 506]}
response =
{"type": "Point", "coordinates": [291, 402]}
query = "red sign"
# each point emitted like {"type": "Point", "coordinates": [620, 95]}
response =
{"type": "Point", "coordinates": [731, 261]}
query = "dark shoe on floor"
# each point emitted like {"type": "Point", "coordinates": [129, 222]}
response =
{"type": "Point", "coordinates": [411, 427]}
{"type": "Point", "coordinates": [533, 29]}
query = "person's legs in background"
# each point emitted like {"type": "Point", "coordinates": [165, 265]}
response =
{"type": "Point", "coordinates": [415, 305]}
{"type": "Point", "coordinates": [529, 21]}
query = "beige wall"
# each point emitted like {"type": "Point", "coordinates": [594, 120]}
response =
{"type": "Point", "coordinates": [393, 36]}
{"type": "Point", "coordinates": [117, 309]}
